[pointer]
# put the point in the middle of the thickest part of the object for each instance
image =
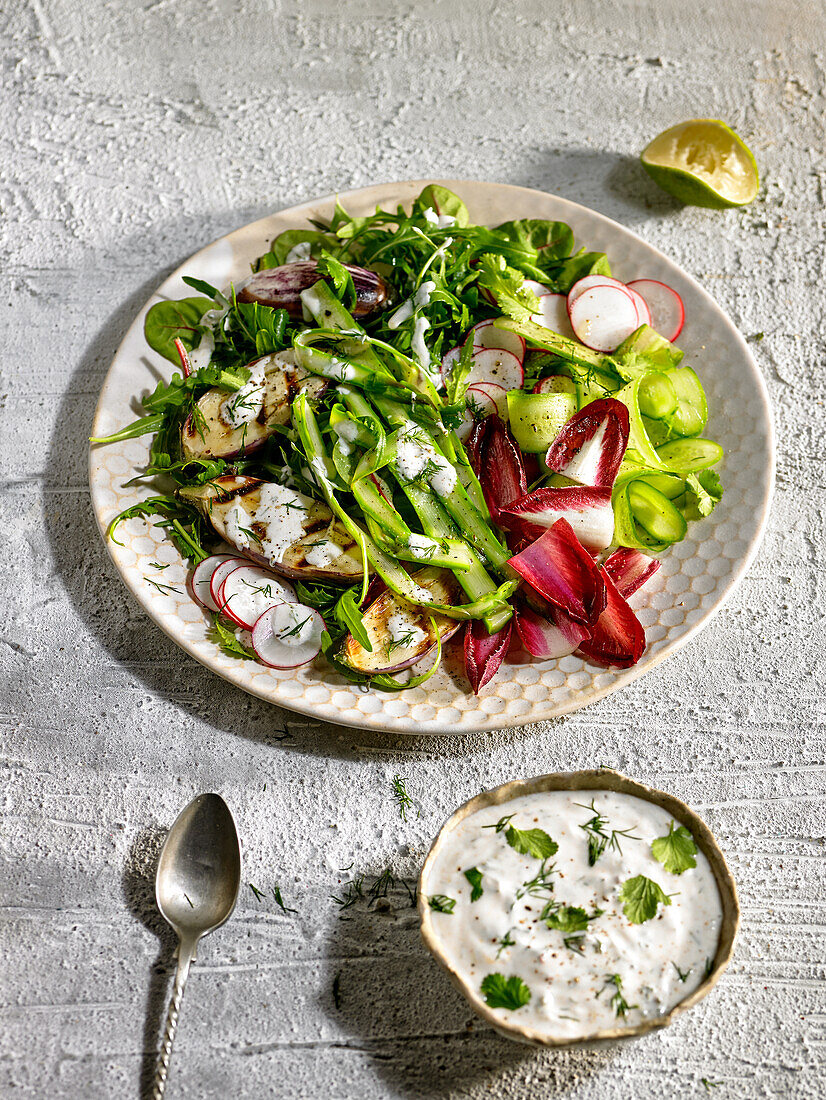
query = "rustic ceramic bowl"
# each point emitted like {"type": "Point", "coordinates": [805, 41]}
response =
{"type": "Point", "coordinates": [607, 780]}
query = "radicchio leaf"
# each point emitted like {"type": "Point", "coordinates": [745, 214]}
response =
{"type": "Point", "coordinates": [484, 652]}
{"type": "Point", "coordinates": [554, 636]}
{"type": "Point", "coordinates": [561, 569]}
{"type": "Point", "coordinates": [501, 471]}
{"type": "Point", "coordinates": [588, 511]}
{"type": "Point", "coordinates": [617, 637]}
{"type": "Point", "coordinates": [590, 447]}
{"type": "Point", "coordinates": [629, 570]}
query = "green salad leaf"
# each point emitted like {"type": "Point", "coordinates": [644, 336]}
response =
{"type": "Point", "coordinates": [167, 322]}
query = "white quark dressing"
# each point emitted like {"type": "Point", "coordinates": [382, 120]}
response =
{"type": "Point", "coordinates": [200, 356]}
{"type": "Point", "coordinates": [281, 512]}
{"type": "Point", "coordinates": [322, 553]}
{"type": "Point", "coordinates": [292, 623]}
{"type": "Point", "coordinates": [442, 221]}
{"type": "Point", "coordinates": [421, 547]}
{"type": "Point", "coordinates": [413, 456]}
{"type": "Point", "coordinates": [404, 631]}
{"type": "Point", "coordinates": [300, 251]}
{"type": "Point", "coordinates": [658, 963]}
{"type": "Point", "coordinates": [245, 405]}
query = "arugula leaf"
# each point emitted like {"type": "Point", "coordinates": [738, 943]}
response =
{"type": "Point", "coordinates": [676, 851]}
{"type": "Point", "coordinates": [531, 842]}
{"type": "Point", "coordinates": [442, 903]}
{"type": "Point", "coordinates": [337, 274]}
{"type": "Point", "coordinates": [474, 877]}
{"type": "Point", "coordinates": [226, 639]}
{"type": "Point", "coordinates": [350, 617]}
{"type": "Point", "coordinates": [502, 992]}
{"type": "Point", "coordinates": [641, 896]}
{"type": "Point", "coordinates": [707, 489]}
{"type": "Point", "coordinates": [506, 284]}
{"type": "Point", "coordinates": [204, 288]}
{"type": "Point", "coordinates": [167, 322]}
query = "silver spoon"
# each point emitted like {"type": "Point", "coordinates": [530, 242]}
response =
{"type": "Point", "coordinates": [196, 887]}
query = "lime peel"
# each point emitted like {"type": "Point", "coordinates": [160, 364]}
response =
{"type": "Point", "coordinates": [702, 162]}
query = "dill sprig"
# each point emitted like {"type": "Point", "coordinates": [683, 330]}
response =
{"type": "Point", "coordinates": [618, 1002]}
{"type": "Point", "coordinates": [400, 793]}
{"type": "Point", "coordinates": [598, 838]}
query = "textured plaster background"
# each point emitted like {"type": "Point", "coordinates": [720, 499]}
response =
{"type": "Point", "coordinates": [130, 135]}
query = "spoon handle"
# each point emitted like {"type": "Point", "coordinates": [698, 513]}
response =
{"type": "Point", "coordinates": [186, 953]}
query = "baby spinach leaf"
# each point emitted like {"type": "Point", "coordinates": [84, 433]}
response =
{"type": "Point", "coordinates": [442, 201]}
{"type": "Point", "coordinates": [550, 240]}
{"type": "Point", "coordinates": [167, 322]}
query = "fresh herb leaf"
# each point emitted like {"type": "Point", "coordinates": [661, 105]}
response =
{"type": "Point", "coordinates": [441, 903]}
{"type": "Point", "coordinates": [707, 490]}
{"type": "Point", "coordinates": [618, 1001]}
{"type": "Point", "coordinates": [402, 797]}
{"type": "Point", "coordinates": [276, 893]}
{"type": "Point", "coordinates": [641, 897]}
{"type": "Point", "coordinates": [506, 941]}
{"type": "Point", "coordinates": [709, 1085]}
{"type": "Point", "coordinates": [500, 824]}
{"type": "Point", "coordinates": [350, 617]}
{"type": "Point", "coordinates": [204, 288]}
{"type": "Point", "coordinates": [531, 842]}
{"type": "Point", "coordinates": [598, 838]}
{"type": "Point", "coordinates": [506, 284]}
{"type": "Point", "coordinates": [676, 851]}
{"type": "Point", "coordinates": [541, 885]}
{"type": "Point", "coordinates": [258, 894]}
{"type": "Point", "coordinates": [474, 877]}
{"type": "Point", "coordinates": [224, 635]}
{"type": "Point", "coordinates": [502, 992]}
{"type": "Point", "coordinates": [683, 975]}
{"type": "Point", "coordinates": [570, 919]}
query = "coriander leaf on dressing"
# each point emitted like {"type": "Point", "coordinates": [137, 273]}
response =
{"type": "Point", "coordinates": [474, 877]}
{"type": "Point", "coordinates": [640, 897]}
{"type": "Point", "coordinates": [502, 992]}
{"type": "Point", "coordinates": [531, 842]}
{"type": "Point", "coordinates": [676, 851]}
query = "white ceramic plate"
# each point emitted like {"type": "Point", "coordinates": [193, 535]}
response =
{"type": "Point", "coordinates": [696, 576]}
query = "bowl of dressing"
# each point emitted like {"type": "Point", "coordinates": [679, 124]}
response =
{"type": "Point", "coordinates": [578, 907]}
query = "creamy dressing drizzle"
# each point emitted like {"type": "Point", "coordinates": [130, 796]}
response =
{"type": "Point", "coordinates": [442, 221]}
{"type": "Point", "coordinates": [245, 404]}
{"type": "Point", "coordinates": [323, 553]}
{"type": "Point", "coordinates": [413, 456]}
{"type": "Point", "coordinates": [281, 512]}
{"type": "Point", "coordinates": [421, 547]}
{"type": "Point", "coordinates": [571, 993]}
{"type": "Point", "coordinates": [300, 251]}
{"type": "Point", "coordinates": [404, 631]}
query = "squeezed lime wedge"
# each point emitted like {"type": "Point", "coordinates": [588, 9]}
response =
{"type": "Point", "coordinates": [702, 162]}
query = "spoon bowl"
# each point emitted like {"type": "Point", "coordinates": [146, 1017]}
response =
{"type": "Point", "coordinates": [199, 870]}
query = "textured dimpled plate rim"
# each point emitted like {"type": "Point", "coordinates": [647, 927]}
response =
{"type": "Point", "coordinates": [696, 577]}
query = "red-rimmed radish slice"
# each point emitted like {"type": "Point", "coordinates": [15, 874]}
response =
{"type": "Point", "coordinates": [643, 312]}
{"type": "Point", "coordinates": [603, 317]}
{"type": "Point", "coordinates": [536, 288]}
{"type": "Point", "coordinates": [588, 511]}
{"type": "Point", "coordinates": [486, 335]}
{"type": "Point", "coordinates": [664, 304]}
{"type": "Point", "coordinates": [483, 406]}
{"type": "Point", "coordinates": [554, 314]}
{"type": "Point", "coordinates": [248, 591]}
{"type": "Point", "coordinates": [496, 365]}
{"type": "Point", "coordinates": [287, 635]}
{"type": "Point", "coordinates": [197, 583]}
{"type": "Point", "coordinates": [497, 394]}
{"type": "Point", "coordinates": [448, 359]}
{"type": "Point", "coordinates": [219, 575]}
{"type": "Point", "coordinates": [590, 447]}
{"type": "Point", "coordinates": [588, 282]}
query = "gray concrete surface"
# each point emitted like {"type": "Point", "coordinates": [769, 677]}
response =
{"type": "Point", "coordinates": [130, 135]}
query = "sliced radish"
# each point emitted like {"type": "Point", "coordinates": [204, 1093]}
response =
{"type": "Point", "coordinates": [482, 407]}
{"type": "Point", "coordinates": [448, 360]}
{"type": "Point", "coordinates": [536, 288]}
{"type": "Point", "coordinates": [643, 312]}
{"type": "Point", "coordinates": [498, 394]}
{"type": "Point", "coordinates": [495, 365]}
{"type": "Point", "coordinates": [219, 575]}
{"type": "Point", "coordinates": [664, 304]}
{"type": "Point", "coordinates": [248, 591]}
{"type": "Point", "coordinates": [287, 635]}
{"type": "Point", "coordinates": [198, 581]}
{"type": "Point", "coordinates": [487, 335]}
{"type": "Point", "coordinates": [603, 317]}
{"type": "Point", "coordinates": [554, 314]}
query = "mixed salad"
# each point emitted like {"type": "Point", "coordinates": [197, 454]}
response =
{"type": "Point", "coordinates": [403, 426]}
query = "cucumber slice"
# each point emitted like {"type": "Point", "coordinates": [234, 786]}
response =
{"type": "Point", "coordinates": [670, 485]}
{"type": "Point", "coordinates": [690, 454]}
{"type": "Point", "coordinates": [655, 513]}
{"type": "Point", "coordinates": [657, 395]}
{"type": "Point", "coordinates": [691, 414]}
{"type": "Point", "coordinates": [536, 419]}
